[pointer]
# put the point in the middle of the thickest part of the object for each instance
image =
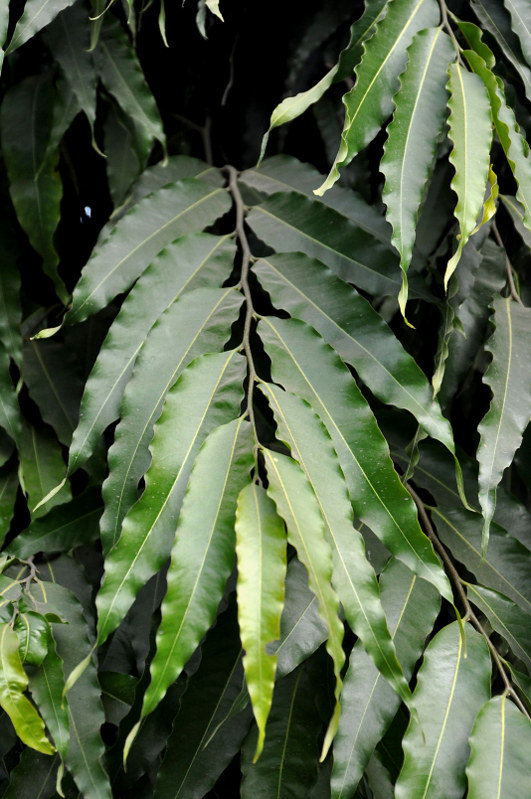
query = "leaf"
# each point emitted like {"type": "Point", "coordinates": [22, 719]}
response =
{"type": "Point", "coordinates": [470, 125]}
{"type": "Point", "coordinates": [33, 776]}
{"type": "Point", "coordinates": [47, 683]}
{"type": "Point", "coordinates": [513, 143]}
{"type": "Point", "coordinates": [207, 395]}
{"type": "Point", "coordinates": [357, 332]}
{"type": "Point", "coordinates": [153, 223]}
{"type": "Point", "coordinates": [42, 466]}
{"type": "Point", "coordinates": [370, 101]}
{"type": "Point", "coordinates": [33, 633]}
{"type": "Point", "coordinates": [504, 566]}
{"type": "Point", "coordinates": [120, 72]}
{"type": "Point", "coordinates": [506, 618]}
{"type": "Point", "coordinates": [199, 322]}
{"type": "Point", "coordinates": [261, 552]}
{"type": "Point", "coordinates": [117, 693]}
{"type": "Point", "coordinates": [409, 152]}
{"type": "Point", "coordinates": [190, 262]}
{"type": "Point", "coordinates": [436, 741]}
{"type": "Point", "coordinates": [369, 704]}
{"type": "Point", "coordinates": [297, 505]}
{"type": "Point", "coordinates": [63, 528]}
{"type": "Point", "coordinates": [502, 427]}
{"type": "Point", "coordinates": [499, 741]}
{"type": "Point", "coordinates": [8, 493]}
{"type": "Point", "coordinates": [10, 419]}
{"type": "Point", "coordinates": [37, 15]}
{"type": "Point", "coordinates": [10, 309]}
{"type": "Point", "coordinates": [203, 553]}
{"type": "Point", "coordinates": [13, 682]}
{"type": "Point", "coordinates": [26, 120]}
{"type": "Point", "coordinates": [521, 25]}
{"type": "Point", "coordinates": [123, 163]}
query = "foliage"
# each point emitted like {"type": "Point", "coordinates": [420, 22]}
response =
{"type": "Point", "coordinates": [264, 435]}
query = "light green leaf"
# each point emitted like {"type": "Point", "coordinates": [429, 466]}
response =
{"type": "Point", "coordinates": [261, 551]}
{"type": "Point", "coordinates": [203, 554]}
{"type": "Point", "coordinates": [369, 704]}
{"type": "Point", "coordinates": [436, 741]}
{"type": "Point", "coordinates": [298, 506]}
{"type": "Point", "coordinates": [197, 323]}
{"type": "Point", "coordinates": [503, 425]}
{"type": "Point", "coordinates": [517, 213]}
{"type": "Point", "coordinates": [43, 468]}
{"type": "Point", "coordinates": [471, 134]}
{"type": "Point", "coordinates": [120, 72]}
{"type": "Point", "coordinates": [37, 15]}
{"type": "Point", "coordinates": [46, 685]}
{"type": "Point", "coordinates": [13, 682]}
{"type": "Point", "coordinates": [213, 5]}
{"type": "Point", "coordinates": [500, 743]}
{"type": "Point", "coordinates": [506, 618]}
{"type": "Point", "coordinates": [507, 129]}
{"type": "Point", "coordinates": [370, 101]}
{"type": "Point", "coordinates": [521, 24]}
{"type": "Point", "coordinates": [357, 332]}
{"type": "Point", "coordinates": [153, 223]}
{"type": "Point", "coordinates": [408, 160]}
{"type": "Point", "coordinates": [190, 262]}
{"type": "Point", "coordinates": [207, 395]}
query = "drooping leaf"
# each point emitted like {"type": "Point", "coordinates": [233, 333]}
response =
{"type": "Point", "coordinates": [436, 741]}
{"type": "Point", "coordinates": [370, 101]}
{"type": "Point", "coordinates": [197, 323]}
{"type": "Point", "coordinates": [123, 163]}
{"type": "Point", "coordinates": [506, 618]}
{"type": "Point", "coordinates": [190, 262]}
{"type": "Point", "coordinates": [521, 25]}
{"type": "Point", "coordinates": [369, 704]}
{"type": "Point", "coordinates": [203, 554]}
{"type": "Point", "coordinates": [261, 552]}
{"type": "Point", "coordinates": [47, 683]}
{"type": "Point", "coordinates": [470, 125]}
{"type": "Point", "coordinates": [500, 743]}
{"type": "Point", "coordinates": [42, 467]}
{"type": "Point", "coordinates": [502, 427]}
{"type": "Point", "coordinates": [297, 504]}
{"type": "Point", "coordinates": [37, 15]}
{"type": "Point", "coordinates": [207, 395]}
{"type": "Point", "coordinates": [13, 682]}
{"type": "Point", "coordinates": [153, 223]}
{"type": "Point", "coordinates": [409, 152]}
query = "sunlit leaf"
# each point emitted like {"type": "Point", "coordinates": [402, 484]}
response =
{"type": "Point", "coordinates": [47, 683]}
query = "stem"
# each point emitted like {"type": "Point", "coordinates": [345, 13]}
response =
{"type": "Point", "coordinates": [459, 584]}
{"type": "Point", "coordinates": [244, 285]}
{"type": "Point", "coordinates": [446, 24]}
{"type": "Point", "coordinates": [508, 267]}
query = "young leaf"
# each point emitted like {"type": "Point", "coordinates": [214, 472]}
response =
{"type": "Point", "coordinates": [370, 101]}
{"type": "Point", "coordinates": [297, 504]}
{"type": "Point", "coordinates": [420, 106]}
{"type": "Point", "coordinates": [37, 15]}
{"type": "Point", "coordinates": [13, 682]}
{"type": "Point", "coordinates": [261, 552]}
{"type": "Point", "coordinates": [500, 743]}
{"type": "Point", "coordinates": [203, 554]}
{"type": "Point", "coordinates": [503, 425]}
{"type": "Point", "coordinates": [506, 618]}
{"type": "Point", "coordinates": [471, 134]}
{"type": "Point", "coordinates": [197, 323]}
{"type": "Point", "coordinates": [369, 704]}
{"type": "Point", "coordinates": [207, 395]}
{"type": "Point", "coordinates": [153, 223]}
{"type": "Point", "coordinates": [190, 262]}
{"type": "Point", "coordinates": [436, 741]}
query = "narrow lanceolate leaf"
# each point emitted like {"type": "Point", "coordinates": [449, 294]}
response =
{"type": "Point", "coordinates": [42, 468]}
{"type": "Point", "coordinates": [369, 704]}
{"type": "Point", "coordinates": [349, 323]}
{"type": "Point", "coordinates": [121, 74]}
{"type": "Point", "coordinates": [451, 689]}
{"type": "Point", "coordinates": [261, 551]}
{"type": "Point", "coordinates": [521, 24]}
{"type": "Point", "coordinates": [198, 323]}
{"type": "Point", "coordinates": [500, 743]}
{"type": "Point", "coordinates": [296, 503]}
{"type": "Point", "coordinates": [13, 682]}
{"type": "Point", "coordinates": [420, 108]}
{"type": "Point", "coordinates": [503, 425]}
{"type": "Point", "coordinates": [513, 143]}
{"type": "Point", "coordinates": [36, 15]}
{"type": "Point", "coordinates": [354, 577]}
{"type": "Point", "coordinates": [152, 224]}
{"type": "Point", "coordinates": [202, 557]}
{"type": "Point", "coordinates": [123, 163]}
{"type": "Point", "coordinates": [506, 618]}
{"type": "Point", "coordinates": [207, 395]}
{"type": "Point", "coordinates": [34, 182]}
{"type": "Point", "coordinates": [8, 494]}
{"type": "Point", "coordinates": [10, 308]}
{"type": "Point", "coordinates": [10, 419]}
{"type": "Point", "coordinates": [47, 683]}
{"type": "Point", "coordinates": [470, 124]}
{"type": "Point", "coordinates": [371, 100]}
{"type": "Point", "coordinates": [192, 261]}
{"type": "Point", "coordinates": [4, 24]}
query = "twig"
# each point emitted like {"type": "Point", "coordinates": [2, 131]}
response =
{"type": "Point", "coordinates": [459, 585]}
{"type": "Point", "coordinates": [508, 267]}
{"type": "Point", "coordinates": [446, 24]}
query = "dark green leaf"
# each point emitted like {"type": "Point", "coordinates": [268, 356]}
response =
{"type": "Point", "coordinates": [47, 683]}
{"type": "Point", "coordinates": [43, 468]}
{"type": "Point", "coordinates": [506, 618]}
{"type": "Point", "coordinates": [33, 777]}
